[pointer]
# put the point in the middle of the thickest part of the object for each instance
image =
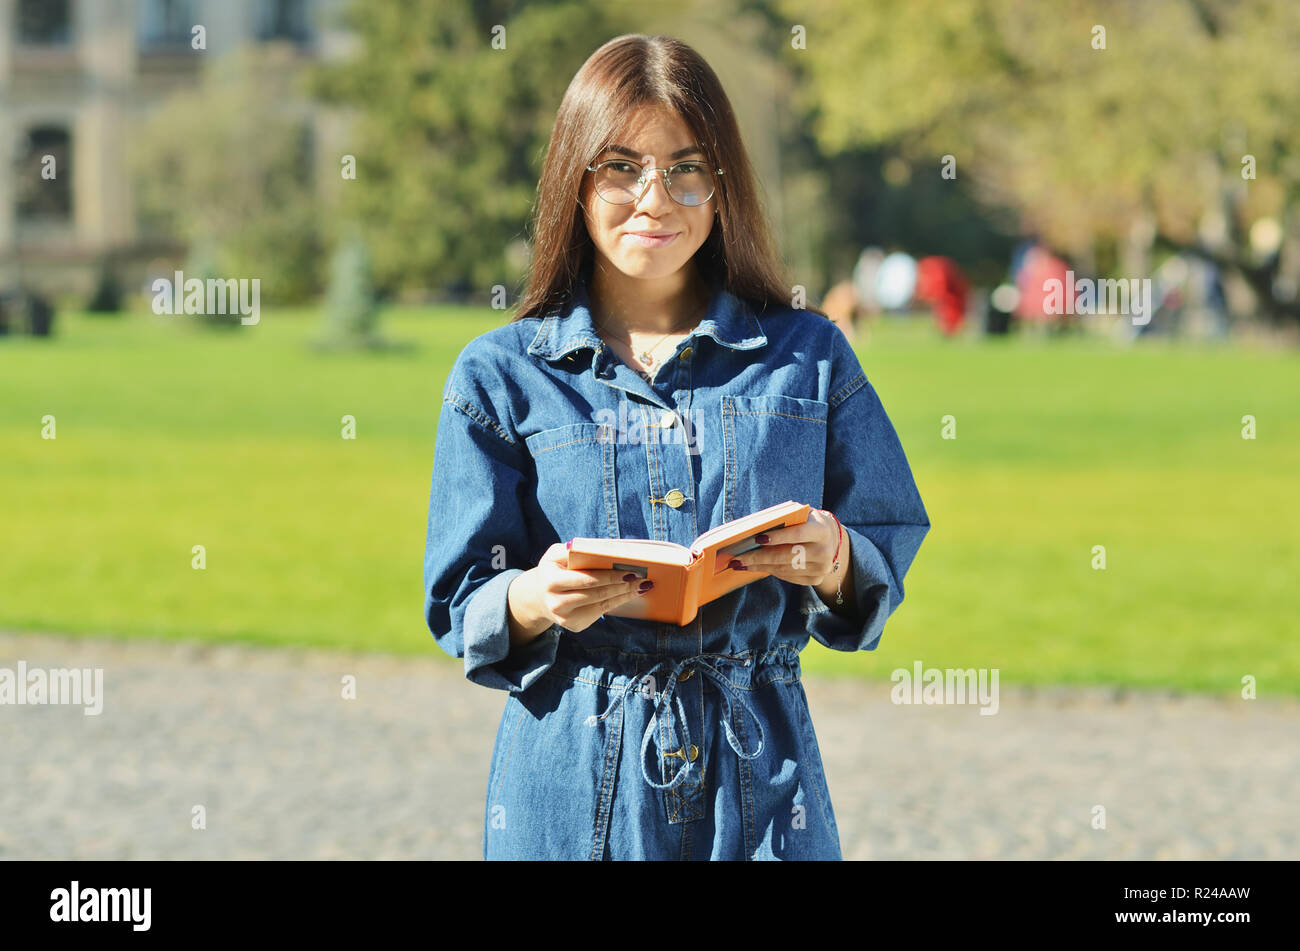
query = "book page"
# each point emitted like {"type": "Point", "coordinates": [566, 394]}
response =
{"type": "Point", "coordinates": [746, 525]}
{"type": "Point", "coordinates": [637, 550]}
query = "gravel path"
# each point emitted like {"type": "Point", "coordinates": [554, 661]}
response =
{"type": "Point", "coordinates": [285, 768]}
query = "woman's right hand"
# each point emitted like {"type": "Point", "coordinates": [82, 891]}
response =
{"type": "Point", "coordinates": [552, 593]}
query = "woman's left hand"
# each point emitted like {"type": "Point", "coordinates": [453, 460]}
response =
{"type": "Point", "coordinates": [801, 554]}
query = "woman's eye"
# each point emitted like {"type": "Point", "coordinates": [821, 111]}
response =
{"type": "Point", "coordinates": [688, 168]}
{"type": "Point", "coordinates": [621, 167]}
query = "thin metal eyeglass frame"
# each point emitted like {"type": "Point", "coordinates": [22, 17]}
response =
{"type": "Point", "coordinates": [641, 180]}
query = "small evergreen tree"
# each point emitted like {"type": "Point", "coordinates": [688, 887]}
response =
{"type": "Point", "coordinates": [351, 310]}
{"type": "Point", "coordinates": [201, 263]}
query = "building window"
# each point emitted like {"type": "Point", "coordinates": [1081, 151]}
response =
{"type": "Point", "coordinates": [166, 23]}
{"type": "Point", "coordinates": [283, 20]}
{"type": "Point", "coordinates": [44, 22]}
{"type": "Point", "coordinates": [45, 177]}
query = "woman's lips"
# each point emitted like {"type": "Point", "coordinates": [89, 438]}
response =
{"type": "Point", "coordinates": [650, 241]}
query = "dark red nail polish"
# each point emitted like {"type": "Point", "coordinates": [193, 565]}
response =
{"type": "Point", "coordinates": [630, 576]}
{"type": "Point", "coordinates": [644, 587]}
{"type": "Point", "coordinates": [736, 564]}
{"type": "Point", "coordinates": [762, 539]}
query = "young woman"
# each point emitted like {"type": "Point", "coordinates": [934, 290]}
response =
{"type": "Point", "coordinates": [655, 383]}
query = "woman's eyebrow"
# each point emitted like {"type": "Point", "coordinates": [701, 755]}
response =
{"type": "Point", "coordinates": [633, 154]}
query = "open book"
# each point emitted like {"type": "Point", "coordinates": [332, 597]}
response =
{"type": "Point", "coordinates": [684, 577]}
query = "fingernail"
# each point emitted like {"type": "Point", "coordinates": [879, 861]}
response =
{"type": "Point", "coordinates": [630, 576]}
{"type": "Point", "coordinates": [736, 564]}
{"type": "Point", "coordinates": [569, 543]}
{"type": "Point", "coordinates": [761, 539]}
{"type": "Point", "coordinates": [644, 586]}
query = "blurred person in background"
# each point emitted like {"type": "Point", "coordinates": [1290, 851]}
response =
{"type": "Point", "coordinates": [841, 306]}
{"type": "Point", "coordinates": [1038, 266]}
{"type": "Point", "coordinates": [896, 281]}
{"type": "Point", "coordinates": [864, 280]}
{"type": "Point", "coordinates": [851, 304]}
{"type": "Point", "coordinates": [941, 284]}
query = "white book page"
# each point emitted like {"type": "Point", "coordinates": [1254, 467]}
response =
{"type": "Point", "coordinates": [644, 549]}
{"type": "Point", "coordinates": [738, 526]}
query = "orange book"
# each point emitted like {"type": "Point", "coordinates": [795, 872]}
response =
{"type": "Point", "coordinates": [684, 577]}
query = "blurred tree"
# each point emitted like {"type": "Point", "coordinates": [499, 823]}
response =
{"type": "Point", "coordinates": [202, 263]}
{"type": "Point", "coordinates": [450, 132]}
{"type": "Point", "coordinates": [225, 165]}
{"type": "Point", "coordinates": [351, 311]}
{"type": "Point", "coordinates": [1105, 125]}
{"type": "Point", "coordinates": [884, 200]}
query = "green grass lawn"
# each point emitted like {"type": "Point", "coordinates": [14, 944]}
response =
{"type": "Point", "coordinates": [170, 435]}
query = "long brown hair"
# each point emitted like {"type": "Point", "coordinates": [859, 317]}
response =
{"type": "Point", "coordinates": [623, 75]}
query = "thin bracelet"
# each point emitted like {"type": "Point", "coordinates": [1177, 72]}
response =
{"type": "Point", "coordinates": [839, 585]}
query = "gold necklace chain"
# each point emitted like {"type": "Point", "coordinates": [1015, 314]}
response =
{"type": "Point", "coordinates": [645, 355]}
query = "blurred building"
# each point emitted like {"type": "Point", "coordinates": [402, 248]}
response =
{"type": "Point", "coordinates": [73, 73]}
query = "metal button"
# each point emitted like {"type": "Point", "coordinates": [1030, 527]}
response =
{"type": "Point", "coordinates": [667, 420]}
{"type": "Point", "coordinates": [686, 355]}
{"type": "Point", "coordinates": [675, 498]}
{"type": "Point", "coordinates": [686, 674]}
{"type": "Point", "coordinates": [681, 754]}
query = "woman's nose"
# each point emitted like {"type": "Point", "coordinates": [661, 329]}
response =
{"type": "Point", "coordinates": [654, 193]}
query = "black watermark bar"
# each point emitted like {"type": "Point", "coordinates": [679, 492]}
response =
{"type": "Point", "coordinates": [1219, 901]}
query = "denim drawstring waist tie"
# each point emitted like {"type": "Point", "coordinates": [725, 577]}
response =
{"type": "Point", "coordinates": [664, 706]}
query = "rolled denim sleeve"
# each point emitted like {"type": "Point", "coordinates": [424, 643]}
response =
{"type": "Point", "coordinates": [869, 487]}
{"type": "Point", "coordinates": [475, 544]}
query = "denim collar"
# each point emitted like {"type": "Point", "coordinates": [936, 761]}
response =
{"type": "Point", "coordinates": [728, 320]}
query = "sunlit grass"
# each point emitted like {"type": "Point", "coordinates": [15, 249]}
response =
{"type": "Point", "coordinates": [170, 436]}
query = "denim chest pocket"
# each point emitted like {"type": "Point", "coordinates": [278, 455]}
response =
{"type": "Point", "coordinates": [775, 449]}
{"type": "Point", "coordinates": [576, 490]}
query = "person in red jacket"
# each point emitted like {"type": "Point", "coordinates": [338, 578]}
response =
{"type": "Point", "coordinates": [941, 284]}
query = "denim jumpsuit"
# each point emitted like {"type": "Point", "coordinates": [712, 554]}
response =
{"type": "Point", "coordinates": [636, 739]}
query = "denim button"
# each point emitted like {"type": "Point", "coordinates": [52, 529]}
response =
{"type": "Point", "coordinates": [675, 498]}
{"type": "Point", "coordinates": [695, 752]}
{"type": "Point", "coordinates": [686, 355]}
{"type": "Point", "coordinates": [686, 674]}
{"type": "Point", "coordinates": [667, 420]}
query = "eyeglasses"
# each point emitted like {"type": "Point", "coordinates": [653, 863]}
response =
{"type": "Point", "coordinates": [621, 181]}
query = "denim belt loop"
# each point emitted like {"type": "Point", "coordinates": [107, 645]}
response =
{"type": "Point", "coordinates": [664, 705]}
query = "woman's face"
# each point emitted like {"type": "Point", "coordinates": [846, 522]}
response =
{"type": "Point", "coordinates": [660, 138]}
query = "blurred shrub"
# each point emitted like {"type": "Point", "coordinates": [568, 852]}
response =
{"type": "Point", "coordinates": [351, 310]}
{"type": "Point", "coordinates": [107, 298]}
